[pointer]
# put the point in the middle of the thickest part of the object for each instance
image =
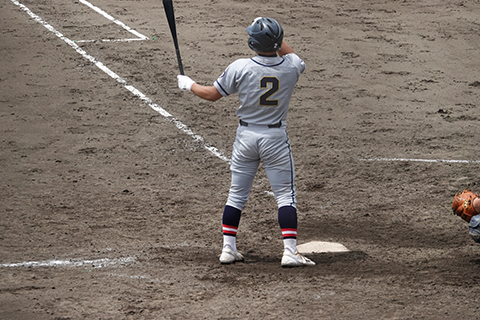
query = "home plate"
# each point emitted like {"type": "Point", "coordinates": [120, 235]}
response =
{"type": "Point", "coordinates": [321, 246]}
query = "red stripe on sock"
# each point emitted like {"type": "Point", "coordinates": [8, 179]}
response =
{"type": "Point", "coordinates": [289, 233]}
{"type": "Point", "coordinates": [230, 229]}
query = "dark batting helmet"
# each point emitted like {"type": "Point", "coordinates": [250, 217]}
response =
{"type": "Point", "coordinates": [266, 35]}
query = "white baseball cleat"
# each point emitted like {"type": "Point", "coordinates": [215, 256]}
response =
{"type": "Point", "coordinates": [295, 260]}
{"type": "Point", "coordinates": [229, 256]}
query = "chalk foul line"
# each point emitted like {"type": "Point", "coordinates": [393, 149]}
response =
{"type": "Point", "coordinates": [182, 127]}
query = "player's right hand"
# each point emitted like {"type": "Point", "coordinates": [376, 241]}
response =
{"type": "Point", "coordinates": [185, 83]}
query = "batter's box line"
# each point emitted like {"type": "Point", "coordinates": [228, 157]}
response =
{"type": "Point", "coordinates": [97, 263]}
{"type": "Point", "coordinates": [140, 36]}
{"type": "Point", "coordinates": [420, 160]}
{"type": "Point", "coordinates": [109, 40]}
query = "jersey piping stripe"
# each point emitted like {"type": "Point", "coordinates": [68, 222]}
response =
{"type": "Point", "coordinates": [226, 93]}
{"type": "Point", "coordinates": [268, 65]}
{"type": "Point", "coordinates": [292, 185]}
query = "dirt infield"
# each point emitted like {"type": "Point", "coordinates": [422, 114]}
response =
{"type": "Point", "coordinates": [109, 210]}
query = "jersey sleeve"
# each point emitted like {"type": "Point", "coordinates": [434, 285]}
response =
{"type": "Point", "coordinates": [296, 61]}
{"type": "Point", "coordinates": [226, 84]}
{"type": "Point", "coordinates": [221, 85]}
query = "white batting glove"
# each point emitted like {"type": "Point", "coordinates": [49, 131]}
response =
{"type": "Point", "coordinates": [185, 83]}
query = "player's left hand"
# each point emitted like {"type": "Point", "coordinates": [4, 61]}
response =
{"type": "Point", "coordinates": [185, 83]}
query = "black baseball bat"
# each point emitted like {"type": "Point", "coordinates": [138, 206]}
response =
{"type": "Point", "coordinates": [168, 6]}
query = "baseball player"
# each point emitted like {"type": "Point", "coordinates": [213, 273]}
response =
{"type": "Point", "coordinates": [264, 84]}
{"type": "Point", "coordinates": [466, 205]}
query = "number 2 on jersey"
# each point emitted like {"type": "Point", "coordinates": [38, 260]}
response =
{"type": "Point", "coordinates": [272, 84]}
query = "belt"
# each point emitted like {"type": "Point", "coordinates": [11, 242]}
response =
{"type": "Point", "coordinates": [276, 125]}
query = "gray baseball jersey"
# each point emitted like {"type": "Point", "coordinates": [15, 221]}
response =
{"type": "Point", "coordinates": [264, 85]}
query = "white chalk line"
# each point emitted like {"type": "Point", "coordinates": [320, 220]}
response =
{"type": "Point", "coordinates": [97, 263]}
{"type": "Point", "coordinates": [421, 160]}
{"type": "Point", "coordinates": [108, 40]}
{"type": "Point", "coordinates": [117, 22]}
{"type": "Point", "coordinates": [181, 126]}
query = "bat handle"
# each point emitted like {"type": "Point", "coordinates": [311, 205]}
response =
{"type": "Point", "coordinates": [180, 65]}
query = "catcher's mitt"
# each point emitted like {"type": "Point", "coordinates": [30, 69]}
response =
{"type": "Point", "coordinates": [462, 204]}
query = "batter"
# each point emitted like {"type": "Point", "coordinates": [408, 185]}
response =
{"type": "Point", "coordinates": [264, 85]}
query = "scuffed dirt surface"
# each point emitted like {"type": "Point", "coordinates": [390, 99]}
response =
{"type": "Point", "coordinates": [91, 172]}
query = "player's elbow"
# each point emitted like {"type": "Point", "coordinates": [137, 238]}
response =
{"type": "Point", "coordinates": [206, 93]}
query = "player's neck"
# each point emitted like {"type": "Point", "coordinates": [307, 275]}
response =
{"type": "Point", "coordinates": [267, 54]}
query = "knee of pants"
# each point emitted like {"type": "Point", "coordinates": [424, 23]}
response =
{"type": "Point", "coordinates": [238, 196]}
{"type": "Point", "coordinates": [286, 199]}
{"type": "Point", "coordinates": [236, 201]}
